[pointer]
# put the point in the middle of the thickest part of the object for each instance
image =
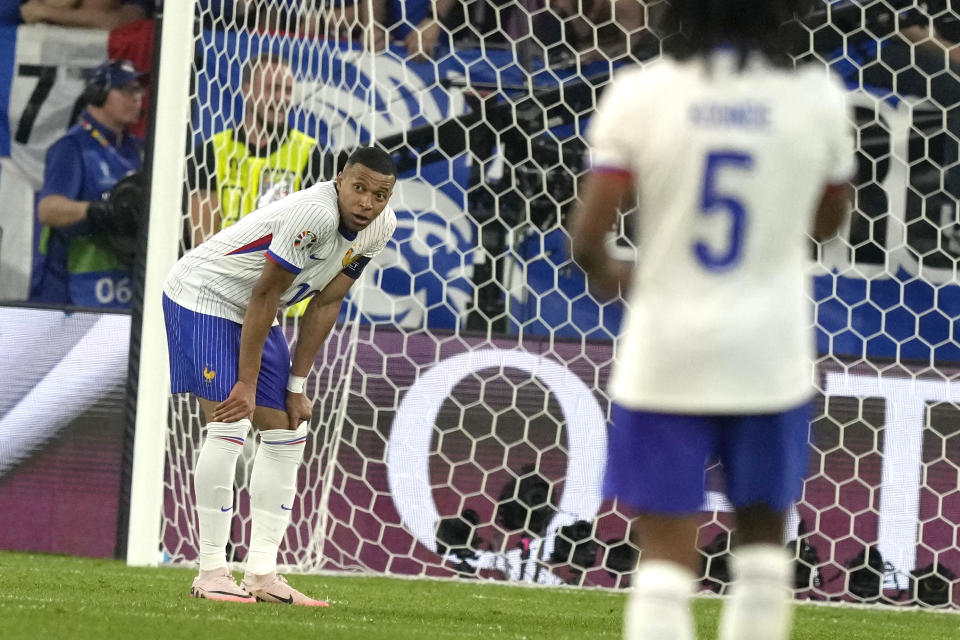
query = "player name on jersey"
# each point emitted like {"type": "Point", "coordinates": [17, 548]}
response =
{"type": "Point", "coordinates": [713, 114]}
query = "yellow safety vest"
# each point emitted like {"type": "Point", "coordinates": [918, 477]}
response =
{"type": "Point", "coordinates": [246, 181]}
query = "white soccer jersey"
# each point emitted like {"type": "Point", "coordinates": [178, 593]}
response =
{"type": "Point", "coordinates": [302, 233]}
{"type": "Point", "coordinates": [729, 167]}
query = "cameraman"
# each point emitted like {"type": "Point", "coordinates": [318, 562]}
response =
{"type": "Point", "coordinates": [79, 262]}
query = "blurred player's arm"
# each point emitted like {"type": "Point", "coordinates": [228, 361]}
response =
{"type": "Point", "coordinates": [841, 162]}
{"type": "Point", "coordinates": [204, 202]}
{"type": "Point", "coordinates": [259, 317]}
{"type": "Point", "coordinates": [604, 193]}
{"type": "Point", "coordinates": [832, 211]}
{"type": "Point", "coordinates": [315, 326]}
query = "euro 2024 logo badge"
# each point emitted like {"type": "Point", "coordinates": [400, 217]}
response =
{"type": "Point", "coordinates": [305, 240]}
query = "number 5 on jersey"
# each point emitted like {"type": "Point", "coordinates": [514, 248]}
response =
{"type": "Point", "coordinates": [714, 201]}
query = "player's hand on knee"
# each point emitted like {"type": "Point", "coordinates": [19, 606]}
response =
{"type": "Point", "coordinates": [239, 404]}
{"type": "Point", "coordinates": [298, 409]}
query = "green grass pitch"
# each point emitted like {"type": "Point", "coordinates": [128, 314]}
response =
{"type": "Point", "coordinates": [46, 596]}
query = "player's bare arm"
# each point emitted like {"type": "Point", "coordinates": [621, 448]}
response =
{"type": "Point", "coordinates": [604, 193]}
{"type": "Point", "coordinates": [315, 326]}
{"type": "Point", "coordinates": [832, 211]}
{"type": "Point", "coordinates": [257, 321]}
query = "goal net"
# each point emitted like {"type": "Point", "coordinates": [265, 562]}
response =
{"type": "Point", "coordinates": [460, 403]}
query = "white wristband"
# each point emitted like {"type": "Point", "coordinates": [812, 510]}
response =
{"type": "Point", "coordinates": [296, 384]}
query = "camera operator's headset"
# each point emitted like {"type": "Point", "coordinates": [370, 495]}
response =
{"type": "Point", "coordinates": [100, 81]}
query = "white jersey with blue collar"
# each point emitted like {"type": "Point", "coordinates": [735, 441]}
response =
{"type": "Point", "coordinates": [302, 233]}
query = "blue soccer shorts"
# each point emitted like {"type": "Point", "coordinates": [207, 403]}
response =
{"type": "Point", "coordinates": [205, 353]}
{"type": "Point", "coordinates": [656, 461]}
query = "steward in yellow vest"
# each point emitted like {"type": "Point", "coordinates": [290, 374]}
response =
{"type": "Point", "coordinates": [232, 177]}
{"type": "Point", "coordinates": [257, 162]}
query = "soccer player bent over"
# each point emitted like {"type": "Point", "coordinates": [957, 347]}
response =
{"type": "Point", "coordinates": [226, 347]}
{"type": "Point", "coordinates": [734, 157]}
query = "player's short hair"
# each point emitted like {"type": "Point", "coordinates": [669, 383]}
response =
{"type": "Point", "coordinates": [259, 61]}
{"type": "Point", "coordinates": [698, 27]}
{"type": "Point", "coordinates": [374, 159]}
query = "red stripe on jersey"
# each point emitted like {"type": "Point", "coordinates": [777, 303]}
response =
{"type": "Point", "coordinates": [256, 245]}
{"type": "Point", "coordinates": [283, 264]}
{"type": "Point", "coordinates": [616, 172]}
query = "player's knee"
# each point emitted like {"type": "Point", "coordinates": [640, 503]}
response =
{"type": "Point", "coordinates": [234, 432]}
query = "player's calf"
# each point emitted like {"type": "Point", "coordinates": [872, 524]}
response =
{"type": "Point", "coordinates": [659, 603]}
{"type": "Point", "coordinates": [761, 606]}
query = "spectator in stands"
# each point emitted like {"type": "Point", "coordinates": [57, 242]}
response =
{"type": "Point", "coordinates": [490, 23]}
{"type": "Point", "coordinates": [424, 25]}
{"type": "Point", "coordinates": [332, 19]}
{"type": "Point", "coordinates": [419, 24]}
{"type": "Point", "coordinates": [92, 14]}
{"type": "Point", "coordinates": [315, 18]}
{"type": "Point", "coordinates": [591, 30]}
{"type": "Point", "coordinates": [79, 259]}
{"type": "Point", "coordinates": [261, 160]}
{"type": "Point", "coordinates": [267, 15]}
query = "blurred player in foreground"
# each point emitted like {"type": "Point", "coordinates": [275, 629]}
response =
{"type": "Point", "coordinates": [226, 347]}
{"type": "Point", "coordinates": [734, 158]}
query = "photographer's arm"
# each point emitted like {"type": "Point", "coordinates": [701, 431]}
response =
{"type": "Point", "coordinates": [59, 211]}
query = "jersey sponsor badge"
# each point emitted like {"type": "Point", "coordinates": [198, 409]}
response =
{"type": "Point", "coordinates": [305, 240]}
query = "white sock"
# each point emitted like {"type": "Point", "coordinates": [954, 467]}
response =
{"type": "Point", "coordinates": [760, 607]}
{"type": "Point", "coordinates": [658, 607]}
{"type": "Point", "coordinates": [213, 488]}
{"type": "Point", "coordinates": [273, 488]}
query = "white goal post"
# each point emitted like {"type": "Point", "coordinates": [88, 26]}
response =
{"type": "Point", "coordinates": [460, 416]}
{"type": "Point", "coordinates": [153, 397]}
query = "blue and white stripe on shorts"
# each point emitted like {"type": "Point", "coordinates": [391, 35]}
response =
{"type": "Point", "coordinates": [205, 353]}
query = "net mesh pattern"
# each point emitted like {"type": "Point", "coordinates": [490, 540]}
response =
{"type": "Point", "coordinates": [460, 403]}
